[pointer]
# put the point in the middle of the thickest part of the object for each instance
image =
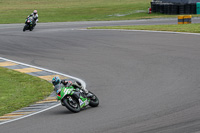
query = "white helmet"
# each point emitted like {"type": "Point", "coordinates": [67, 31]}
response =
{"type": "Point", "coordinates": [35, 11]}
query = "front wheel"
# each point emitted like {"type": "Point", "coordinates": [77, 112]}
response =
{"type": "Point", "coordinates": [94, 101]}
{"type": "Point", "coordinates": [72, 104]}
{"type": "Point", "coordinates": [31, 28]}
{"type": "Point", "coordinates": [25, 27]}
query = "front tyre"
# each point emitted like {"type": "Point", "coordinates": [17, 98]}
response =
{"type": "Point", "coordinates": [72, 104]}
{"type": "Point", "coordinates": [25, 28]}
{"type": "Point", "coordinates": [31, 28]}
{"type": "Point", "coordinates": [94, 101]}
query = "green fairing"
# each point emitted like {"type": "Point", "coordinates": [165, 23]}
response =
{"type": "Point", "coordinates": [62, 93]}
{"type": "Point", "coordinates": [70, 91]}
{"type": "Point", "coordinates": [85, 101]}
{"type": "Point", "coordinates": [59, 98]}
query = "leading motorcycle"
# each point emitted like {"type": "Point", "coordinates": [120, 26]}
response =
{"type": "Point", "coordinates": [29, 24]}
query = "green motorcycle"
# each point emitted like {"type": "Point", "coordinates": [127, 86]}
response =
{"type": "Point", "coordinates": [29, 24]}
{"type": "Point", "coordinates": [75, 100]}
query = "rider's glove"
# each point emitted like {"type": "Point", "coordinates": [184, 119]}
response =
{"type": "Point", "coordinates": [69, 83]}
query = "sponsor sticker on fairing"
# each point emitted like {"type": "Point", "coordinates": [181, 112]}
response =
{"type": "Point", "coordinates": [81, 102]}
{"type": "Point", "coordinates": [86, 102]}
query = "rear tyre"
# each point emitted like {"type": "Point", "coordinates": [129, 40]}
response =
{"type": "Point", "coordinates": [72, 104]}
{"type": "Point", "coordinates": [94, 101]}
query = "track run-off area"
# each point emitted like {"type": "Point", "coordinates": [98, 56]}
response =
{"type": "Point", "coordinates": [147, 82]}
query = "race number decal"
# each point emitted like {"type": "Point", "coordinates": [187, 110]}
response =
{"type": "Point", "coordinates": [67, 91]}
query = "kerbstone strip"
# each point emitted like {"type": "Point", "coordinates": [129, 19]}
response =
{"type": "Point", "coordinates": [41, 73]}
{"type": "Point", "coordinates": [16, 66]}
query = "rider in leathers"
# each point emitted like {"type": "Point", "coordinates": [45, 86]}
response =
{"type": "Point", "coordinates": [35, 17]}
{"type": "Point", "coordinates": [58, 84]}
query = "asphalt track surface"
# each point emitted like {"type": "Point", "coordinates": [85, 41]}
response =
{"type": "Point", "coordinates": [146, 82]}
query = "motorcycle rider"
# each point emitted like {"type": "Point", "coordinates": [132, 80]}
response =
{"type": "Point", "coordinates": [58, 84]}
{"type": "Point", "coordinates": [35, 17]}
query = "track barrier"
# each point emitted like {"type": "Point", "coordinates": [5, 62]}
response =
{"type": "Point", "coordinates": [175, 8]}
{"type": "Point", "coordinates": [184, 19]}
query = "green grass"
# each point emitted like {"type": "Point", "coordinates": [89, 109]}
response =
{"type": "Point", "coordinates": [15, 11]}
{"type": "Point", "coordinates": [193, 28]}
{"type": "Point", "coordinates": [18, 90]}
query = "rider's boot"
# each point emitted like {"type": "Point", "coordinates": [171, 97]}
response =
{"type": "Point", "coordinates": [90, 95]}
{"type": "Point", "coordinates": [86, 93]}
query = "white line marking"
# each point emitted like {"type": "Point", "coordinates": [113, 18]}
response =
{"type": "Point", "coordinates": [80, 80]}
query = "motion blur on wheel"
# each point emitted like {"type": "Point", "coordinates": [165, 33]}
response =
{"type": "Point", "coordinates": [29, 24]}
{"type": "Point", "coordinates": [75, 99]}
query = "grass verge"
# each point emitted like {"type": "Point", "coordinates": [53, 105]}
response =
{"type": "Point", "coordinates": [192, 28]}
{"type": "Point", "coordinates": [15, 11]}
{"type": "Point", "coordinates": [18, 90]}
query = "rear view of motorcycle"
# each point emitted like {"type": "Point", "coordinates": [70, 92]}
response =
{"type": "Point", "coordinates": [29, 24]}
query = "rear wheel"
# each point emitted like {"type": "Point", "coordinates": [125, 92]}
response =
{"type": "Point", "coordinates": [72, 104]}
{"type": "Point", "coordinates": [94, 101]}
